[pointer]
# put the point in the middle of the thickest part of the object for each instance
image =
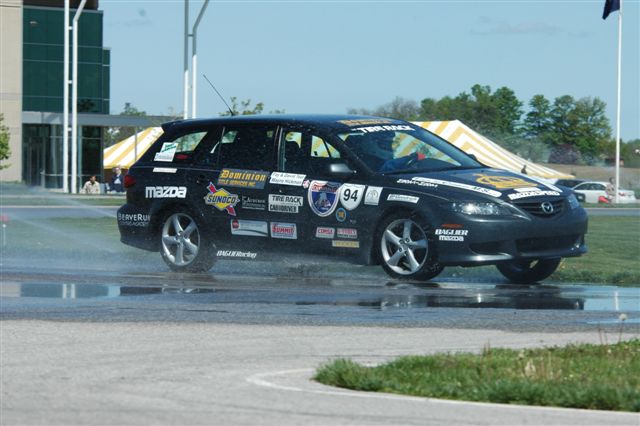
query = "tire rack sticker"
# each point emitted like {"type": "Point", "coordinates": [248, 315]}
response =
{"type": "Point", "coordinates": [285, 203]}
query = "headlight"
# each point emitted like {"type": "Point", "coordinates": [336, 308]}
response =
{"type": "Point", "coordinates": [484, 209]}
{"type": "Point", "coordinates": [573, 201]}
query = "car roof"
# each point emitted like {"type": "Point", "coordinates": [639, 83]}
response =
{"type": "Point", "coordinates": [334, 121]}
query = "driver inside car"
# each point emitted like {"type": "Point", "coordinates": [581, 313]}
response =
{"type": "Point", "coordinates": [376, 149]}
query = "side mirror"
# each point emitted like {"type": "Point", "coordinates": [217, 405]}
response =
{"type": "Point", "coordinates": [341, 171]}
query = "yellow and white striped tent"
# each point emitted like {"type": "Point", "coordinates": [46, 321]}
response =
{"type": "Point", "coordinates": [487, 152]}
{"type": "Point", "coordinates": [124, 153]}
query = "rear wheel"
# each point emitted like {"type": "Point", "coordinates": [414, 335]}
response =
{"type": "Point", "coordinates": [528, 271]}
{"type": "Point", "coordinates": [404, 249]}
{"type": "Point", "coordinates": [183, 246]}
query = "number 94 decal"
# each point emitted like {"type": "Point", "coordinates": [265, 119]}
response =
{"type": "Point", "coordinates": [351, 195]}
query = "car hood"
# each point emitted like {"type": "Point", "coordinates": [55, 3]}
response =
{"type": "Point", "coordinates": [495, 183]}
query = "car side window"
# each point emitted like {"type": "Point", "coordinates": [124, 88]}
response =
{"type": "Point", "coordinates": [304, 152]}
{"type": "Point", "coordinates": [180, 148]}
{"type": "Point", "coordinates": [246, 147]}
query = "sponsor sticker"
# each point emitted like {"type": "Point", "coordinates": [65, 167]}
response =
{"type": "Point", "coordinates": [165, 191]}
{"type": "Point", "coordinates": [164, 170]}
{"type": "Point", "coordinates": [166, 152]}
{"type": "Point", "coordinates": [351, 195]}
{"type": "Point", "coordinates": [451, 234]}
{"type": "Point", "coordinates": [250, 228]}
{"type": "Point", "coordinates": [250, 203]}
{"type": "Point", "coordinates": [417, 182]}
{"type": "Point", "coordinates": [243, 178]}
{"type": "Point", "coordinates": [345, 244]}
{"type": "Point", "coordinates": [372, 197]}
{"type": "Point", "coordinates": [284, 230]}
{"type": "Point", "coordinates": [285, 203]}
{"type": "Point", "coordinates": [135, 219]}
{"type": "Point", "coordinates": [502, 182]}
{"type": "Point", "coordinates": [237, 254]}
{"type": "Point", "coordinates": [341, 215]}
{"type": "Point", "coordinates": [538, 193]}
{"type": "Point", "coordinates": [323, 197]}
{"type": "Point", "coordinates": [473, 188]}
{"type": "Point", "coordinates": [350, 233]}
{"type": "Point", "coordinates": [403, 198]}
{"type": "Point", "coordinates": [292, 179]}
{"type": "Point", "coordinates": [325, 232]}
{"type": "Point", "coordinates": [385, 128]}
{"type": "Point", "coordinates": [221, 199]}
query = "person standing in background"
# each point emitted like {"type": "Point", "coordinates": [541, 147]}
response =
{"type": "Point", "coordinates": [91, 186]}
{"type": "Point", "coordinates": [117, 180]}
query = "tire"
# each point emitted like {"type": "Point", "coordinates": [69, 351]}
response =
{"type": "Point", "coordinates": [404, 249]}
{"type": "Point", "coordinates": [183, 244]}
{"type": "Point", "coordinates": [528, 271]}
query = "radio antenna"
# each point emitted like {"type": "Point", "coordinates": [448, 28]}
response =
{"type": "Point", "coordinates": [214, 88]}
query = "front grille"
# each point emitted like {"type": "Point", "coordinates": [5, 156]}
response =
{"type": "Point", "coordinates": [551, 243]}
{"type": "Point", "coordinates": [536, 208]}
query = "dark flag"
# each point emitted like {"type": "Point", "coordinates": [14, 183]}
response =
{"type": "Point", "coordinates": [610, 6]}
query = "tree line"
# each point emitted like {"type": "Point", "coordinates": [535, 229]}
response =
{"type": "Point", "coordinates": [565, 130]}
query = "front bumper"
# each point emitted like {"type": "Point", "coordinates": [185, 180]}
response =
{"type": "Point", "coordinates": [490, 241]}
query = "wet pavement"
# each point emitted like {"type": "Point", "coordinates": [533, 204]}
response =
{"type": "Point", "coordinates": [299, 296]}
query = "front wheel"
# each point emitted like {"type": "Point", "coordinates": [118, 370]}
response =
{"type": "Point", "coordinates": [183, 246]}
{"type": "Point", "coordinates": [528, 271]}
{"type": "Point", "coordinates": [404, 249]}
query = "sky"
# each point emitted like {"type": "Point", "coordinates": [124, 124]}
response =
{"type": "Point", "coordinates": [328, 56]}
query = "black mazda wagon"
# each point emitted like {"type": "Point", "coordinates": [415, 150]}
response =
{"type": "Point", "coordinates": [370, 189]}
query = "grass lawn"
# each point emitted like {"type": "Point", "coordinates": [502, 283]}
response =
{"type": "Point", "coordinates": [599, 377]}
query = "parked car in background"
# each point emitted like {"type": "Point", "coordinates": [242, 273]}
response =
{"type": "Point", "coordinates": [593, 190]}
{"type": "Point", "coordinates": [569, 183]}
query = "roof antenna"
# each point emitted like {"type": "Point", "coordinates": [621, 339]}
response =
{"type": "Point", "coordinates": [214, 88]}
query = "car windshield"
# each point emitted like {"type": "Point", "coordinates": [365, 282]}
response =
{"type": "Point", "coordinates": [393, 149]}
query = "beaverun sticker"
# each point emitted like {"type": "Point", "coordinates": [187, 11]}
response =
{"type": "Point", "coordinates": [166, 152]}
{"type": "Point", "coordinates": [284, 230]}
{"type": "Point", "coordinates": [165, 191]}
{"type": "Point", "coordinates": [325, 232]}
{"type": "Point", "coordinates": [345, 244]}
{"type": "Point", "coordinates": [323, 197]}
{"type": "Point", "coordinates": [451, 234]}
{"type": "Point", "coordinates": [372, 197]}
{"type": "Point", "coordinates": [403, 198]}
{"type": "Point", "coordinates": [292, 179]}
{"type": "Point", "coordinates": [135, 219]}
{"type": "Point", "coordinates": [351, 195]}
{"type": "Point", "coordinates": [502, 182]}
{"type": "Point", "coordinates": [243, 178]}
{"type": "Point", "coordinates": [474, 188]}
{"type": "Point", "coordinates": [250, 228]}
{"type": "Point", "coordinates": [284, 203]}
{"type": "Point", "coordinates": [221, 199]}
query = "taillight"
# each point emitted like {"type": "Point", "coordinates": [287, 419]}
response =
{"type": "Point", "coordinates": [129, 181]}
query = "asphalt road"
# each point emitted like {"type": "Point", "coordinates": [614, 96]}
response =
{"type": "Point", "coordinates": [115, 338]}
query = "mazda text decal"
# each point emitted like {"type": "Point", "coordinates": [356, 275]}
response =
{"type": "Point", "coordinates": [165, 191]}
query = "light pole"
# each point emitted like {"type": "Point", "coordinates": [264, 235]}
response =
{"type": "Point", "coordinates": [185, 113]}
{"type": "Point", "coordinates": [74, 103]}
{"type": "Point", "coordinates": [65, 96]}
{"type": "Point", "coordinates": [194, 59]}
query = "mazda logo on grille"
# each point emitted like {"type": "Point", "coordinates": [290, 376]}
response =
{"type": "Point", "coordinates": [547, 207]}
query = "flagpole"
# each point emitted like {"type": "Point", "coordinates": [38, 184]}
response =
{"type": "Point", "coordinates": [617, 184]}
